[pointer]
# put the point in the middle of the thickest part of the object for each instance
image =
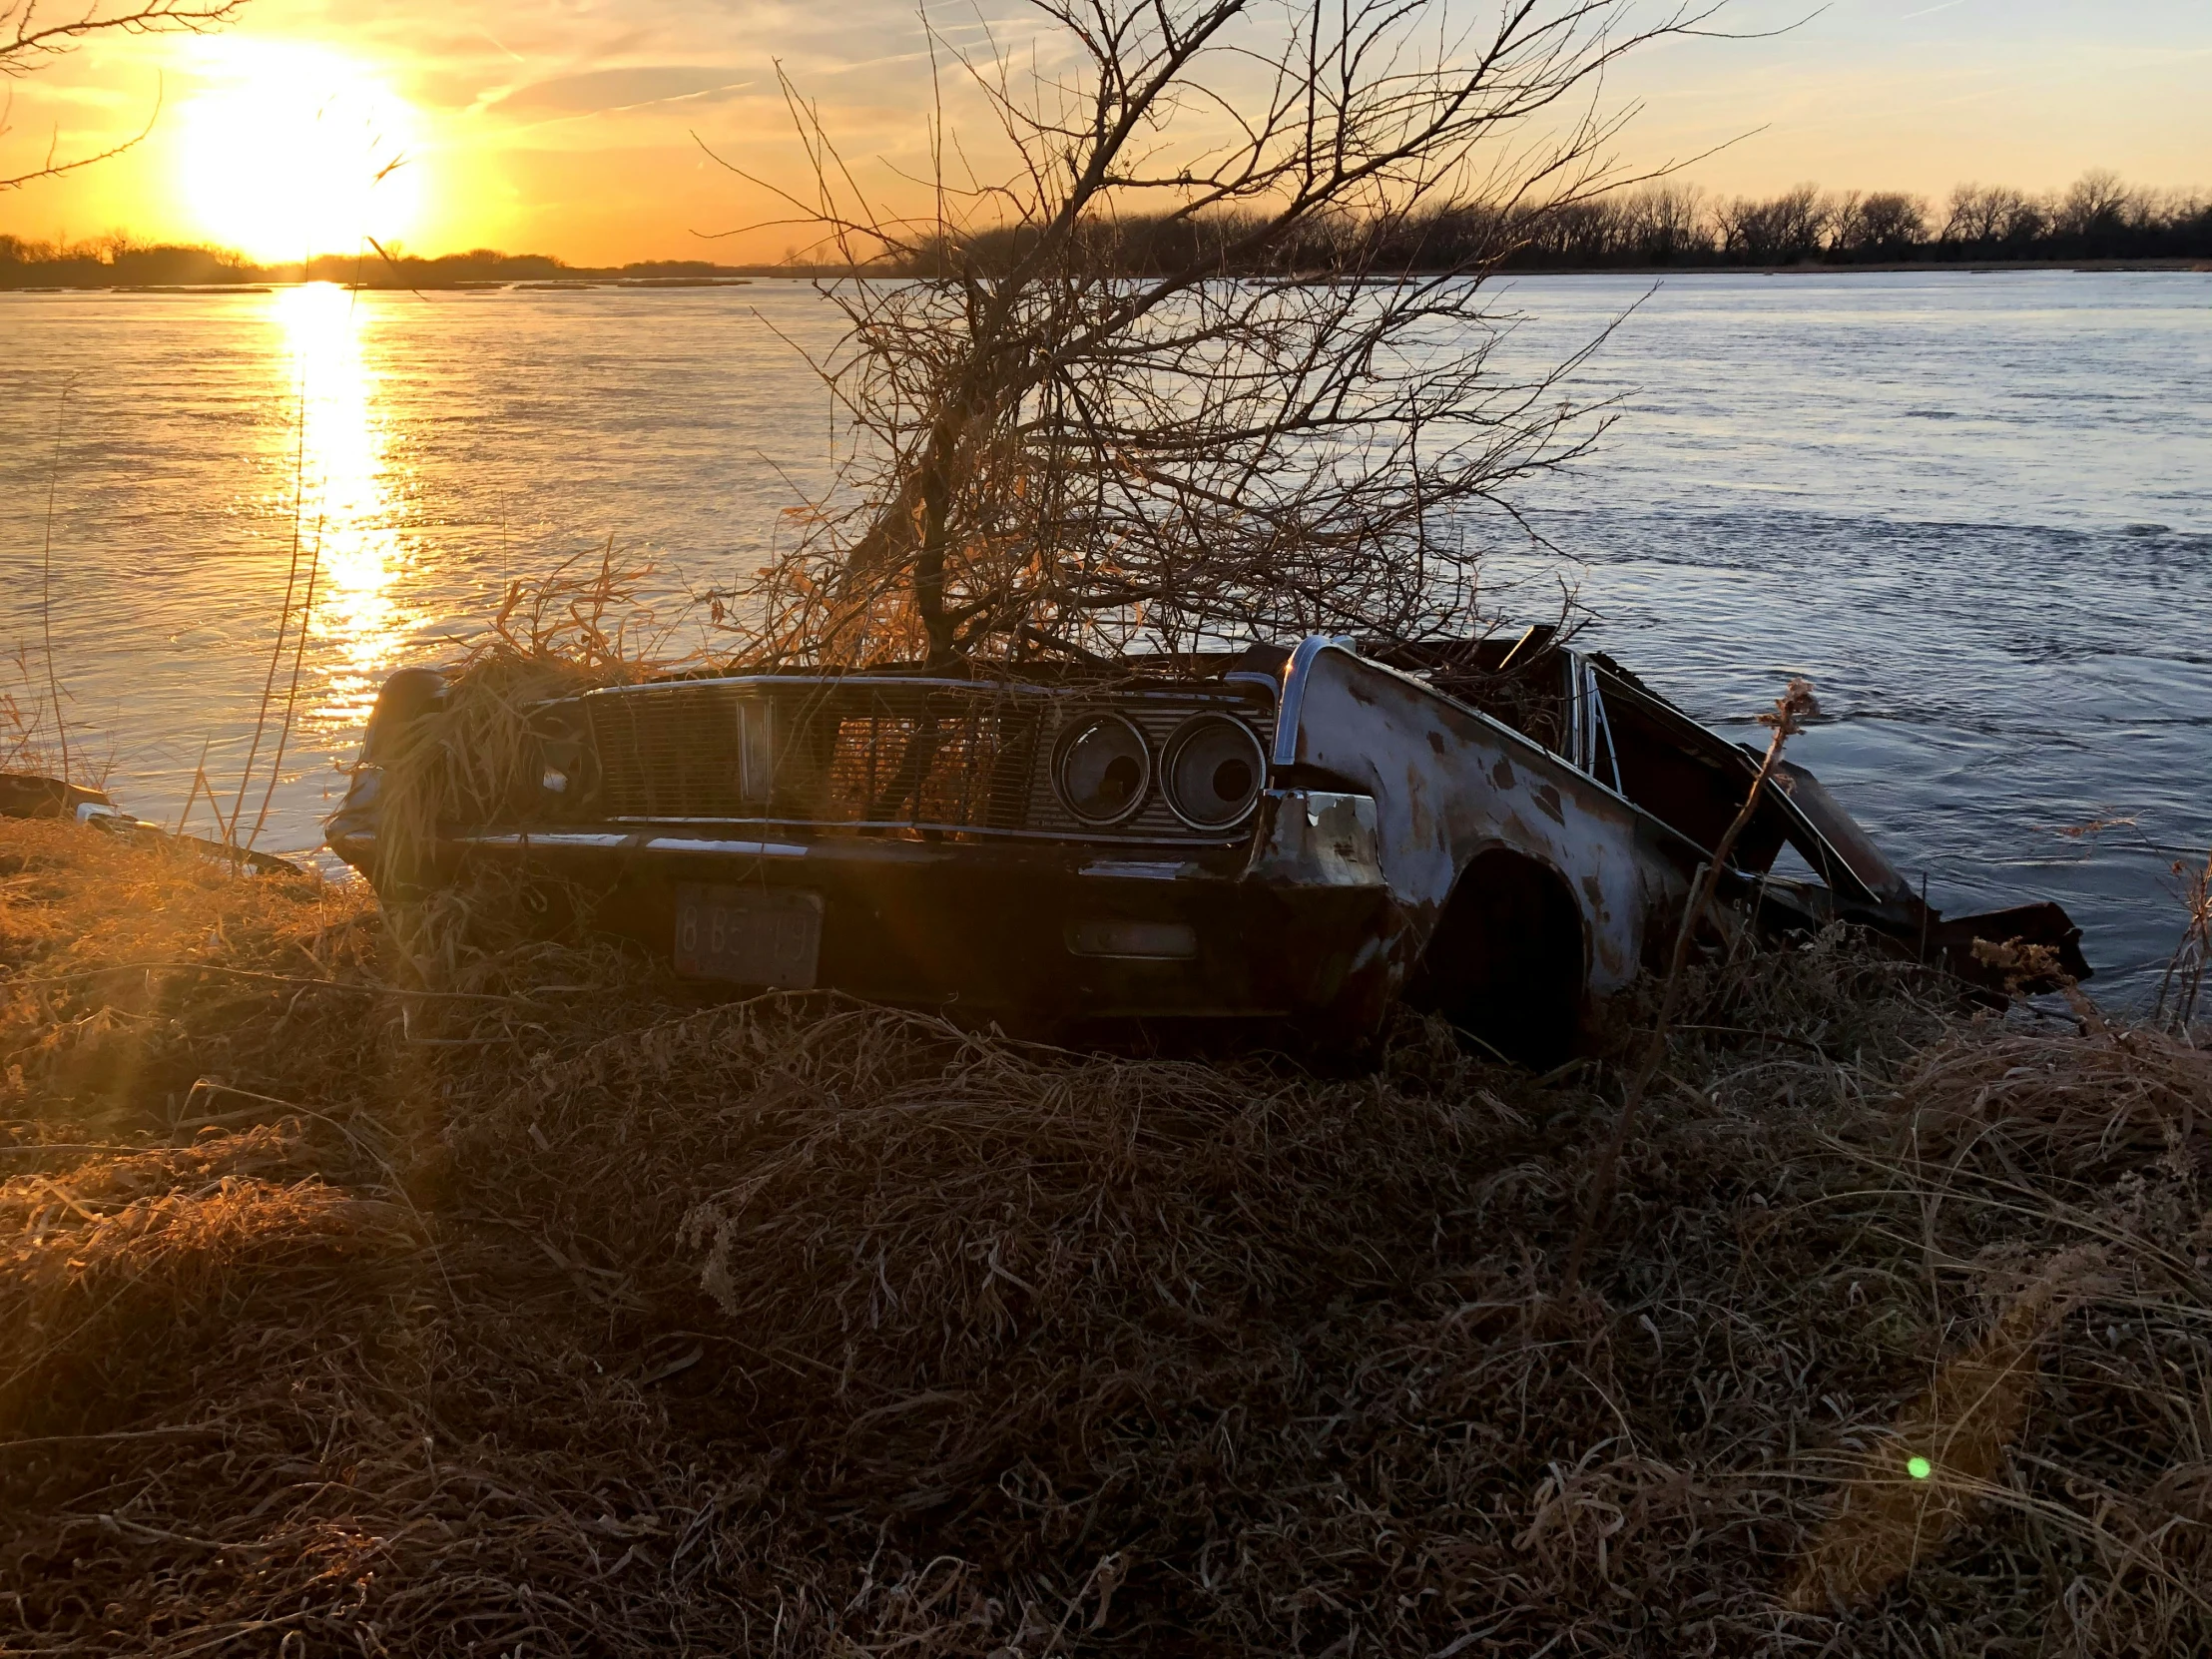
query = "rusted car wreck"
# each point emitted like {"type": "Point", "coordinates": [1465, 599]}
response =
{"type": "Point", "coordinates": [1292, 837]}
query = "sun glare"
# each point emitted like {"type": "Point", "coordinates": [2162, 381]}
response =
{"type": "Point", "coordinates": [291, 150]}
{"type": "Point", "coordinates": [348, 490]}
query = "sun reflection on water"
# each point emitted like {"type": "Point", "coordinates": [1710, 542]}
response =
{"type": "Point", "coordinates": [348, 497]}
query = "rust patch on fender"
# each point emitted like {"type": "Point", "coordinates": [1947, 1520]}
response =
{"type": "Point", "coordinates": [1417, 813]}
{"type": "Point", "coordinates": [1501, 775]}
{"type": "Point", "coordinates": [1547, 796]}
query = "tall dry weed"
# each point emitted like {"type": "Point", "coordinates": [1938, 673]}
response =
{"type": "Point", "coordinates": [2184, 982]}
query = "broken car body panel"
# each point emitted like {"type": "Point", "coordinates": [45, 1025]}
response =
{"type": "Point", "coordinates": [1500, 830]}
{"type": "Point", "coordinates": [1450, 784]}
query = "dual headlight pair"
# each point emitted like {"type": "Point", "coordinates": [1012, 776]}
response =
{"type": "Point", "coordinates": [1211, 771]}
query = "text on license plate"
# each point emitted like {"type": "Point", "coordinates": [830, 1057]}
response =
{"type": "Point", "coordinates": [752, 935]}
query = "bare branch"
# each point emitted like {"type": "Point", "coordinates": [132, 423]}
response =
{"type": "Point", "coordinates": [1187, 371]}
{"type": "Point", "coordinates": [51, 169]}
{"type": "Point", "coordinates": [27, 42]}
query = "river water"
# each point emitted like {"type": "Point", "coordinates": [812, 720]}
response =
{"type": "Point", "coordinates": [1974, 509]}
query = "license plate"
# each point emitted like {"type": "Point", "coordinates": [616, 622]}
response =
{"type": "Point", "coordinates": [752, 935]}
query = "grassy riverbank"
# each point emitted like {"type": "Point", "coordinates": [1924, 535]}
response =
{"type": "Point", "coordinates": [555, 1312]}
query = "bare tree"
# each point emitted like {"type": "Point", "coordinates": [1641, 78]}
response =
{"type": "Point", "coordinates": [1992, 213]}
{"type": "Point", "coordinates": [1185, 370]}
{"type": "Point", "coordinates": [1887, 222]}
{"type": "Point", "coordinates": [1789, 228]}
{"type": "Point", "coordinates": [1668, 223]}
{"type": "Point", "coordinates": [29, 40]}
{"type": "Point", "coordinates": [1978, 212]}
{"type": "Point", "coordinates": [2097, 202]}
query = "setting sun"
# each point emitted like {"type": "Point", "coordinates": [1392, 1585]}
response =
{"type": "Point", "coordinates": [293, 150]}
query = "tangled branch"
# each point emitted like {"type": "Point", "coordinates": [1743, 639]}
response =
{"type": "Point", "coordinates": [1168, 376]}
{"type": "Point", "coordinates": [29, 41]}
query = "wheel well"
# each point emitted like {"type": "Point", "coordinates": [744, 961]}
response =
{"type": "Point", "coordinates": [1508, 960]}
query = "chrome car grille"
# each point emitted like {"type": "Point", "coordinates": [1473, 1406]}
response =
{"type": "Point", "coordinates": [869, 752]}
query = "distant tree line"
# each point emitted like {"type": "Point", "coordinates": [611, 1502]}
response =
{"type": "Point", "coordinates": [2099, 217]}
{"type": "Point", "coordinates": [113, 262]}
{"type": "Point", "coordinates": [117, 262]}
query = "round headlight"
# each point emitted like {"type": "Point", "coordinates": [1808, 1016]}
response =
{"type": "Point", "coordinates": [1103, 769]}
{"type": "Point", "coordinates": [1213, 772]}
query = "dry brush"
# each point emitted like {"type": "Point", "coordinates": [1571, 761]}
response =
{"type": "Point", "coordinates": [554, 1308]}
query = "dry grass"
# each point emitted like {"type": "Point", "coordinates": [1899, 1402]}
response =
{"type": "Point", "coordinates": [31, 739]}
{"type": "Point", "coordinates": [584, 626]}
{"type": "Point", "coordinates": [342, 1317]}
{"type": "Point", "coordinates": [2183, 984]}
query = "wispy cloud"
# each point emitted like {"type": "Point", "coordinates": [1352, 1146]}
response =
{"type": "Point", "coordinates": [598, 90]}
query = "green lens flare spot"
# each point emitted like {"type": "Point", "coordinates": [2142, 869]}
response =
{"type": "Point", "coordinates": [1919, 1468]}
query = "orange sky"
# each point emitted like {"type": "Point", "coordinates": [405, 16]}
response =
{"type": "Point", "coordinates": [570, 130]}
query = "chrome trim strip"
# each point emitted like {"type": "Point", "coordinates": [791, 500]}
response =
{"type": "Point", "coordinates": [981, 687]}
{"type": "Point", "coordinates": [525, 839]}
{"type": "Point", "coordinates": [649, 688]}
{"type": "Point", "coordinates": [861, 827]}
{"type": "Point", "coordinates": [1576, 750]}
{"type": "Point", "coordinates": [755, 850]}
{"type": "Point", "coordinates": [1604, 725]}
{"type": "Point", "coordinates": [547, 837]}
{"type": "Point", "coordinates": [1253, 677]}
{"type": "Point", "coordinates": [1294, 673]}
